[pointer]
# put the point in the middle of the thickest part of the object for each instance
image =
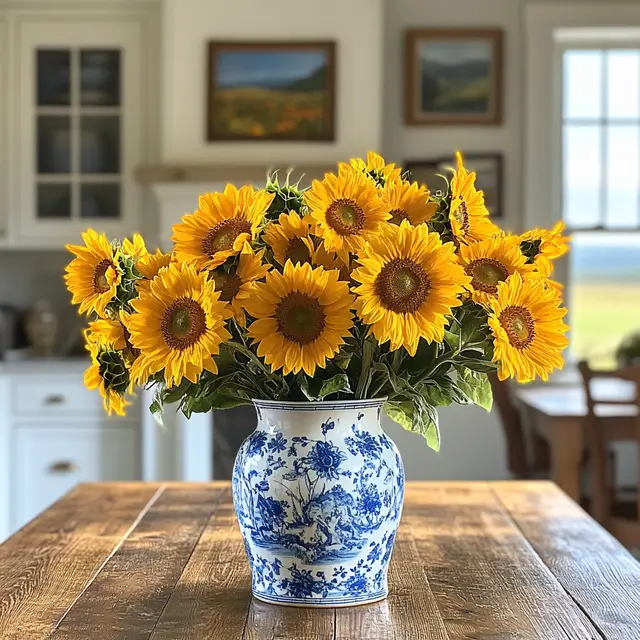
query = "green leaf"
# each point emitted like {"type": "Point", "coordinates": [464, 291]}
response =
{"type": "Point", "coordinates": [156, 407]}
{"type": "Point", "coordinates": [339, 382]}
{"type": "Point", "coordinates": [476, 386]}
{"type": "Point", "coordinates": [400, 411]}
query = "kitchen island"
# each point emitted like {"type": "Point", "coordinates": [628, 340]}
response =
{"type": "Point", "coordinates": [141, 561]}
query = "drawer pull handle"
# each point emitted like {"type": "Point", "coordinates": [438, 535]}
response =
{"type": "Point", "coordinates": [54, 399]}
{"type": "Point", "coordinates": [63, 467]}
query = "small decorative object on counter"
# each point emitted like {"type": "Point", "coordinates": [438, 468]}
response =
{"type": "Point", "coordinates": [41, 326]}
{"type": "Point", "coordinates": [323, 306]}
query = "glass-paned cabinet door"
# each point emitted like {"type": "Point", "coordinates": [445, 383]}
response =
{"type": "Point", "coordinates": [80, 129]}
{"type": "Point", "coordinates": [78, 117]}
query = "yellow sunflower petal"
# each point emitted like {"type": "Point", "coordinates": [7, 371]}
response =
{"type": "Point", "coordinates": [526, 321]}
{"type": "Point", "coordinates": [220, 226]}
{"type": "Point", "coordinates": [305, 322]}
{"type": "Point", "coordinates": [178, 325]}
{"type": "Point", "coordinates": [410, 281]}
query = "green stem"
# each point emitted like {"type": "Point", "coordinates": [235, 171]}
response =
{"type": "Point", "coordinates": [367, 358]}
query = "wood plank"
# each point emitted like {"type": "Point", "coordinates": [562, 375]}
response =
{"type": "Point", "coordinates": [485, 577]}
{"type": "Point", "coordinates": [596, 571]}
{"type": "Point", "coordinates": [127, 597]}
{"type": "Point", "coordinates": [47, 565]}
{"type": "Point", "coordinates": [409, 613]}
{"type": "Point", "coordinates": [272, 622]}
{"type": "Point", "coordinates": [211, 598]}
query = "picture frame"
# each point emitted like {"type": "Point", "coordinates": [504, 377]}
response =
{"type": "Point", "coordinates": [453, 76]}
{"type": "Point", "coordinates": [489, 176]}
{"type": "Point", "coordinates": [271, 91]}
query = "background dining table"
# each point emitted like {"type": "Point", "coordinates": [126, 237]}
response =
{"type": "Point", "coordinates": [144, 561]}
{"type": "Point", "coordinates": [558, 414]}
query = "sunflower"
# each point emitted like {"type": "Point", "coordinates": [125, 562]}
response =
{"type": "Point", "coordinates": [410, 281]}
{"type": "Point", "coordinates": [541, 246]}
{"type": "Point", "coordinates": [302, 317]}
{"type": "Point", "coordinates": [377, 170]}
{"type": "Point", "coordinates": [468, 215]}
{"type": "Point", "coordinates": [490, 262]}
{"type": "Point", "coordinates": [290, 238]}
{"type": "Point", "coordinates": [115, 334]}
{"type": "Point", "coordinates": [178, 325]}
{"type": "Point", "coordinates": [94, 274]}
{"type": "Point", "coordinates": [408, 201]}
{"type": "Point", "coordinates": [346, 210]}
{"type": "Point", "coordinates": [528, 330]}
{"type": "Point", "coordinates": [108, 372]}
{"type": "Point", "coordinates": [237, 283]}
{"type": "Point", "coordinates": [220, 226]}
{"type": "Point", "coordinates": [148, 264]}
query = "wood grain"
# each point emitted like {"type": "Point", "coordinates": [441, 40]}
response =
{"type": "Point", "coordinates": [483, 574]}
{"type": "Point", "coordinates": [139, 578]}
{"type": "Point", "coordinates": [49, 563]}
{"type": "Point", "coordinates": [473, 561]}
{"type": "Point", "coordinates": [410, 612]}
{"type": "Point", "coordinates": [211, 598]}
{"type": "Point", "coordinates": [599, 574]}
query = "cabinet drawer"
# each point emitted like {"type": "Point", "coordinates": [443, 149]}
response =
{"type": "Point", "coordinates": [48, 462]}
{"type": "Point", "coordinates": [54, 396]}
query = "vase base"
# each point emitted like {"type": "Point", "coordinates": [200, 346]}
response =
{"type": "Point", "coordinates": [328, 603]}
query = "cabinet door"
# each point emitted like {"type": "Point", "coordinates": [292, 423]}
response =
{"type": "Point", "coordinates": [80, 129]}
{"type": "Point", "coordinates": [48, 461]}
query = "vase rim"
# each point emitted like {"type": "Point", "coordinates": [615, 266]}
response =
{"type": "Point", "coordinates": [317, 405]}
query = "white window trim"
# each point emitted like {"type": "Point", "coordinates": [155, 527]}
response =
{"type": "Point", "coordinates": [547, 28]}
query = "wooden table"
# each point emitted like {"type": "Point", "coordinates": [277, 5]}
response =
{"type": "Point", "coordinates": [558, 414]}
{"type": "Point", "coordinates": [166, 562]}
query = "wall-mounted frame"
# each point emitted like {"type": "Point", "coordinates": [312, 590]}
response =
{"type": "Point", "coordinates": [453, 76]}
{"type": "Point", "coordinates": [271, 91]}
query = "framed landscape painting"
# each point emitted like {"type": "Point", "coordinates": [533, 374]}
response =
{"type": "Point", "coordinates": [488, 168]}
{"type": "Point", "coordinates": [271, 91]}
{"type": "Point", "coordinates": [453, 77]}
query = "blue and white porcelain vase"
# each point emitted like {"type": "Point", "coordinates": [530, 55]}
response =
{"type": "Point", "coordinates": [318, 490]}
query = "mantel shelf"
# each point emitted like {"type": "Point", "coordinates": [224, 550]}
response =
{"type": "Point", "coordinates": [239, 174]}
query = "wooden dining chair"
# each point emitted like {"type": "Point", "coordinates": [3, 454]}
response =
{"type": "Point", "coordinates": [620, 518]}
{"type": "Point", "coordinates": [517, 459]}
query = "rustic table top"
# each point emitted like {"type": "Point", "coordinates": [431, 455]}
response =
{"type": "Point", "coordinates": [472, 560]}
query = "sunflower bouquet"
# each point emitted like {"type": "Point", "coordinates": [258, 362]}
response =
{"type": "Point", "coordinates": [364, 285]}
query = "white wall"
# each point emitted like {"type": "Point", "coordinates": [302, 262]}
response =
{"type": "Point", "coordinates": [188, 25]}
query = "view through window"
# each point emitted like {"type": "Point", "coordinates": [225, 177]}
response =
{"type": "Point", "coordinates": [601, 197]}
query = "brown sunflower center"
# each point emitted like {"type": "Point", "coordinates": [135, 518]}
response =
{"type": "Point", "coordinates": [345, 217]}
{"type": "Point", "coordinates": [297, 252]}
{"type": "Point", "coordinates": [486, 274]}
{"type": "Point", "coordinates": [228, 284]}
{"type": "Point", "coordinates": [183, 323]}
{"type": "Point", "coordinates": [519, 326]}
{"type": "Point", "coordinates": [398, 215]}
{"type": "Point", "coordinates": [300, 318]}
{"type": "Point", "coordinates": [462, 216]}
{"type": "Point", "coordinates": [402, 285]}
{"type": "Point", "coordinates": [223, 235]}
{"type": "Point", "coordinates": [100, 281]}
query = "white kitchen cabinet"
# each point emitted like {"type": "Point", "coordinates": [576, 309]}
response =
{"type": "Point", "coordinates": [78, 120]}
{"type": "Point", "coordinates": [54, 434]}
{"type": "Point", "coordinates": [48, 461]}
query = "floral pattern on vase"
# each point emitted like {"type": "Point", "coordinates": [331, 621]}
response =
{"type": "Point", "coordinates": [318, 491]}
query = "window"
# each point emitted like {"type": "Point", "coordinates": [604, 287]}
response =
{"type": "Point", "coordinates": [78, 133]}
{"type": "Point", "coordinates": [601, 196]}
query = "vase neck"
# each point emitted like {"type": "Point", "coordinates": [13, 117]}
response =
{"type": "Point", "coordinates": [328, 419]}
